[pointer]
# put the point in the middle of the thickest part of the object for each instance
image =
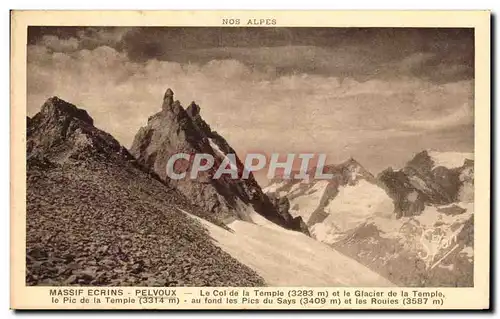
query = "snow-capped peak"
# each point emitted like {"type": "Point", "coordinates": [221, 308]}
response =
{"type": "Point", "coordinates": [449, 159]}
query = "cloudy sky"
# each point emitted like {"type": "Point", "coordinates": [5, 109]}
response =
{"type": "Point", "coordinates": [379, 95]}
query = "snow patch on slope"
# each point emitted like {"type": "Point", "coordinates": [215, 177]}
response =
{"type": "Point", "coordinates": [450, 159]}
{"type": "Point", "coordinates": [430, 216]}
{"type": "Point", "coordinates": [244, 211]}
{"type": "Point", "coordinates": [305, 204]}
{"type": "Point", "coordinates": [296, 188]}
{"type": "Point", "coordinates": [216, 148]}
{"type": "Point", "coordinates": [289, 258]}
{"type": "Point", "coordinates": [418, 183]}
{"type": "Point", "coordinates": [431, 221]}
{"type": "Point", "coordinates": [272, 188]}
{"type": "Point", "coordinates": [352, 206]}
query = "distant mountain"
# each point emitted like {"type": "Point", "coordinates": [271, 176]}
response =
{"type": "Point", "coordinates": [177, 130]}
{"type": "Point", "coordinates": [430, 178]}
{"type": "Point", "coordinates": [333, 207]}
{"type": "Point", "coordinates": [430, 241]}
{"type": "Point", "coordinates": [414, 226]}
{"type": "Point", "coordinates": [433, 249]}
{"type": "Point", "coordinates": [95, 217]}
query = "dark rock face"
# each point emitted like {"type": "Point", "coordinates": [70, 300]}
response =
{"type": "Point", "coordinates": [466, 178]}
{"type": "Point", "coordinates": [452, 210]}
{"type": "Point", "coordinates": [61, 131]}
{"type": "Point", "coordinates": [407, 201]}
{"type": "Point", "coordinates": [95, 217]}
{"type": "Point", "coordinates": [283, 206]}
{"type": "Point", "coordinates": [420, 182]}
{"type": "Point", "coordinates": [175, 130]}
{"type": "Point", "coordinates": [440, 184]}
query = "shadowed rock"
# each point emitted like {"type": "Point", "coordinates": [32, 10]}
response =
{"type": "Point", "coordinates": [168, 100]}
{"type": "Point", "coordinates": [421, 182]}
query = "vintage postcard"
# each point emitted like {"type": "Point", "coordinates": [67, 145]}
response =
{"type": "Point", "coordinates": [250, 160]}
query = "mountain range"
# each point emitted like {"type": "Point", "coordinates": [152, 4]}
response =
{"type": "Point", "coordinates": [100, 214]}
{"type": "Point", "coordinates": [414, 225]}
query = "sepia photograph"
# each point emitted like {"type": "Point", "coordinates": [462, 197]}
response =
{"type": "Point", "coordinates": [239, 156]}
{"type": "Point", "coordinates": [392, 110]}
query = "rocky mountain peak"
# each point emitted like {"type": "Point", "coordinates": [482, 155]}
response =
{"type": "Point", "coordinates": [421, 161]}
{"type": "Point", "coordinates": [429, 178]}
{"type": "Point", "coordinates": [352, 163]}
{"type": "Point", "coordinates": [352, 160]}
{"type": "Point", "coordinates": [168, 99]}
{"type": "Point", "coordinates": [55, 107]}
{"type": "Point", "coordinates": [193, 110]}
{"type": "Point", "coordinates": [84, 187]}
{"type": "Point", "coordinates": [175, 130]}
{"type": "Point", "coordinates": [62, 131]}
{"type": "Point", "coordinates": [348, 172]}
{"type": "Point", "coordinates": [168, 93]}
{"type": "Point", "coordinates": [171, 107]}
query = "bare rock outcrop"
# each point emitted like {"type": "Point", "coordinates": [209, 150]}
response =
{"type": "Point", "coordinates": [176, 130]}
{"type": "Point", "coordinates": [425, 181]}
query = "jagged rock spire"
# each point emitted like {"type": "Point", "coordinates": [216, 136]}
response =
{"type": "Point", "coordinates": [177, 130]}
{"type": "Point", "coordinates": [193, 109]}
{"type": "Point", "coordinates": [168, 99]}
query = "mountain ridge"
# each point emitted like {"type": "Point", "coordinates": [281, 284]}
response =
{"type": "Point", "coordinates": [175, 130]}
{"type": "Point", "coordinates": [422, 182]}
{"type": "Point", "coordinates": [94, 217]}
{"type": "Point", "coordinates": [388, 222]}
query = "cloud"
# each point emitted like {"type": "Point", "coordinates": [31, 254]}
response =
{"type": "Point", "coordinates": [69, 39]}
{"type": "Point", "coordinates": [463, 115]}
{"type": "Point", "coordinates": [358, 61]}
{"type": "Point", "coordinates": [59, 45]}
{"type": "Point", "coordinates": [437, 54]}
{"type": "Point", "coordinates": [254, 107]}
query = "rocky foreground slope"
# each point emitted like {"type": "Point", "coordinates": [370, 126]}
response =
{"type": "Point", "coordinates": [95, 217]}
{"type": "Point", "coordinates": [414, 226]}
{"type": "Point", "coordinates": [176, 130]}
